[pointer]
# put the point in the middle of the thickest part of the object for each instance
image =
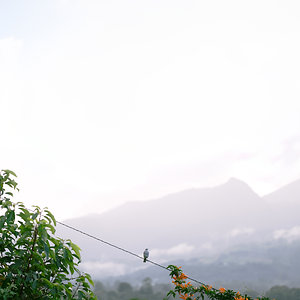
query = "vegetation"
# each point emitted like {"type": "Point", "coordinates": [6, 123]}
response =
{"type": "Point", "coordinates": [283, 293]}
{"type": "Point", "coordinates": [187, 291]}
{"type": "Point", "coordinates": [34, 263]}
{"type": "Point", "coordinates": [125, 291]}
{"type": "Point", "coordinates": [149, 291]}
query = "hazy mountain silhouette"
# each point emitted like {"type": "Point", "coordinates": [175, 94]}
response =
{"type": "Point", "coordinates": [197, 223]}
{"type": "Point", "coordinates": [285, 205]}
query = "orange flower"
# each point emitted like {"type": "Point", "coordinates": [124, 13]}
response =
{"type": "Point", "coordinates": [238, 296]}
{"type": "Point", "coordinates": [184, 296]}
{"type": "Point", "coordinates": [182, 276]}
{"type": "Point", "coordinates": [222, 290]}
{"type": "Point", "coordinates": [207, 287]}
{"type": "Point", "coordinates": [185, 285]}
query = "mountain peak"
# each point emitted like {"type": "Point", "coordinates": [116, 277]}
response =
{"type": "Point", "coordinates": [235, 185]}
{"type": "Point", "coordinates": [233, 180]}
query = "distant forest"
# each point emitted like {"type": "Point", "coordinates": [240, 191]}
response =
{"type": "Point", "coordinates": [158, 291]}
{"type": "Point", "coordinates": [125, 291]}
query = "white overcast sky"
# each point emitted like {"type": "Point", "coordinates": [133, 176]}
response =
{"type": "Point", "coordinates": [108, 101]}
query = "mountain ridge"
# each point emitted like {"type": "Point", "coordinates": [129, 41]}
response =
{"type": "Point", "coordinates": [229, 182]}
{"type": "Point", "coordinates": [201, 222]}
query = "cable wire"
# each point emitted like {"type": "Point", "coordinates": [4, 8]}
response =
{"type": "Point", "coordinates": [124, 250]}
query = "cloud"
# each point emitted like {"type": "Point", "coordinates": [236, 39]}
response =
{"type": "Point", "coordinates": [9, 53]}
{"type": "Point", "coordinates": [241, 231]}
{"type": "Point", "coordinates": [179, 250]}
{"type": "Point", "coordinates": [290, 152]}
{"type": "Point", "coordinates": [206, 252]}
{"type": "Point", "coordinates": [107, 268]}
{"type": "Point", "coordinates": [9, 46]}
{"type": "Point", "coordinates": [287, 234]}
{"type": "Point", "coordinates": [103, 270]}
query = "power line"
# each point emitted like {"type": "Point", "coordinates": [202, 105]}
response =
{"type": "Point", "coordinates": [98, 239]}
{"type": "Point", "coordinates": [124, 250]}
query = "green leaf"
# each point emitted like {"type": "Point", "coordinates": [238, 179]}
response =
{"type": "Point", "coordinates": [47, 249]}
{"type": "Point", "coordinates": [48, 213]}
{"type": "Point", "coordinates": [35, 215]}
{"type": "Point", "coordinates": [76, 249]}
{"type": "Point", "coordinates": [80, 295]}
{"type": "Point", "coordinates": [10, 172]}
{"type": "Point", "coordinates": [2, 221]}
{"type": "Point", "coordinates": [171, 293]}
{"type": "Point", "coordinates": [10, 216]}
{"type": "Point", "coordinates": [88, 277]}
{"type": "Point", "coordinates": [52, 229]}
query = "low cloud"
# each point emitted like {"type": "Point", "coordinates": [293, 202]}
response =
{"type": "Point", "coordinates": [241, 231]}
{"type": "Point", "coordinates": [179, 250]}
{"type": "Point", "coordinates": [287, 234]}
{"type": "Point", "coordinates": [98, 269]}
{"type": "Point", "coordinates": [103, 270]}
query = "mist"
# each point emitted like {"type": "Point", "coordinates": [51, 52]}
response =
{"type": "Point", "coordinates": [172, 125]}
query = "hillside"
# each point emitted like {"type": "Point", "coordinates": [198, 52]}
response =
{"type": "Point", "coordinates": [198, 224]}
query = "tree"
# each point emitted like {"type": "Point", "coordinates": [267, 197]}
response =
{"type": "Point", "coordinates": [34, 263]}
{"type": "Point", "coordinates": [125, 288]}
{"type": "Point", "coordinates": [146, 287]}
{"type": "Point", "coordinates": [284, 293]}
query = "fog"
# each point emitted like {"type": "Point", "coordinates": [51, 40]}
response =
{"type": "Point", "coordinates": [104, 102]}
{"type": "Point", "coordinates": [172, 125]}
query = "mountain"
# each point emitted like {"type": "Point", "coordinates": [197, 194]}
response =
{"type": "Point", "coordinates": [198, 224]}
{"type": "Point", "coordinates": [191, 216]}
{"type": "Point", "coordinates": [285, 205]}
{"type": "Point", "coordinates": [288, 194]}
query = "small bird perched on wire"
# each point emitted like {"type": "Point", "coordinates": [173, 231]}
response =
{"type": "Point", "coordinates": [146, 254]}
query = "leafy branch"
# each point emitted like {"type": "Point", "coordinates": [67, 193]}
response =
{"type": "Point", "coordinates": [34, 263]}
{"type": "Point", "coordinates": [187, 291]}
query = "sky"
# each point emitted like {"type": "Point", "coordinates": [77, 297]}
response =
{"type": "Point", "coordinates": [103, 102]}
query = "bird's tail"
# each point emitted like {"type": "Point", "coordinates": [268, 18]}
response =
{"type": "Point", "coordinates": [145, 259]}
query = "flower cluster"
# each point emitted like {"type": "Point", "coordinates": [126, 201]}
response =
{"type": "Point", "coordinates": [187, 291]}
{"type": "Point", "coordinates": [183, 288]}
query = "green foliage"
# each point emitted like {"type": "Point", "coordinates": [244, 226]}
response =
{"type": "Point", "coordinates": [284, 293]}
{"type": "Point", "coordinates": [125, 291]}
{"type": "Point", "coordinates": [187, 291]}
{"type": "Point", "coordinates": [34, 263]}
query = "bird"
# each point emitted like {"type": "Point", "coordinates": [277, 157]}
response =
{"type": "Point", "coordinates": [146, 254]}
